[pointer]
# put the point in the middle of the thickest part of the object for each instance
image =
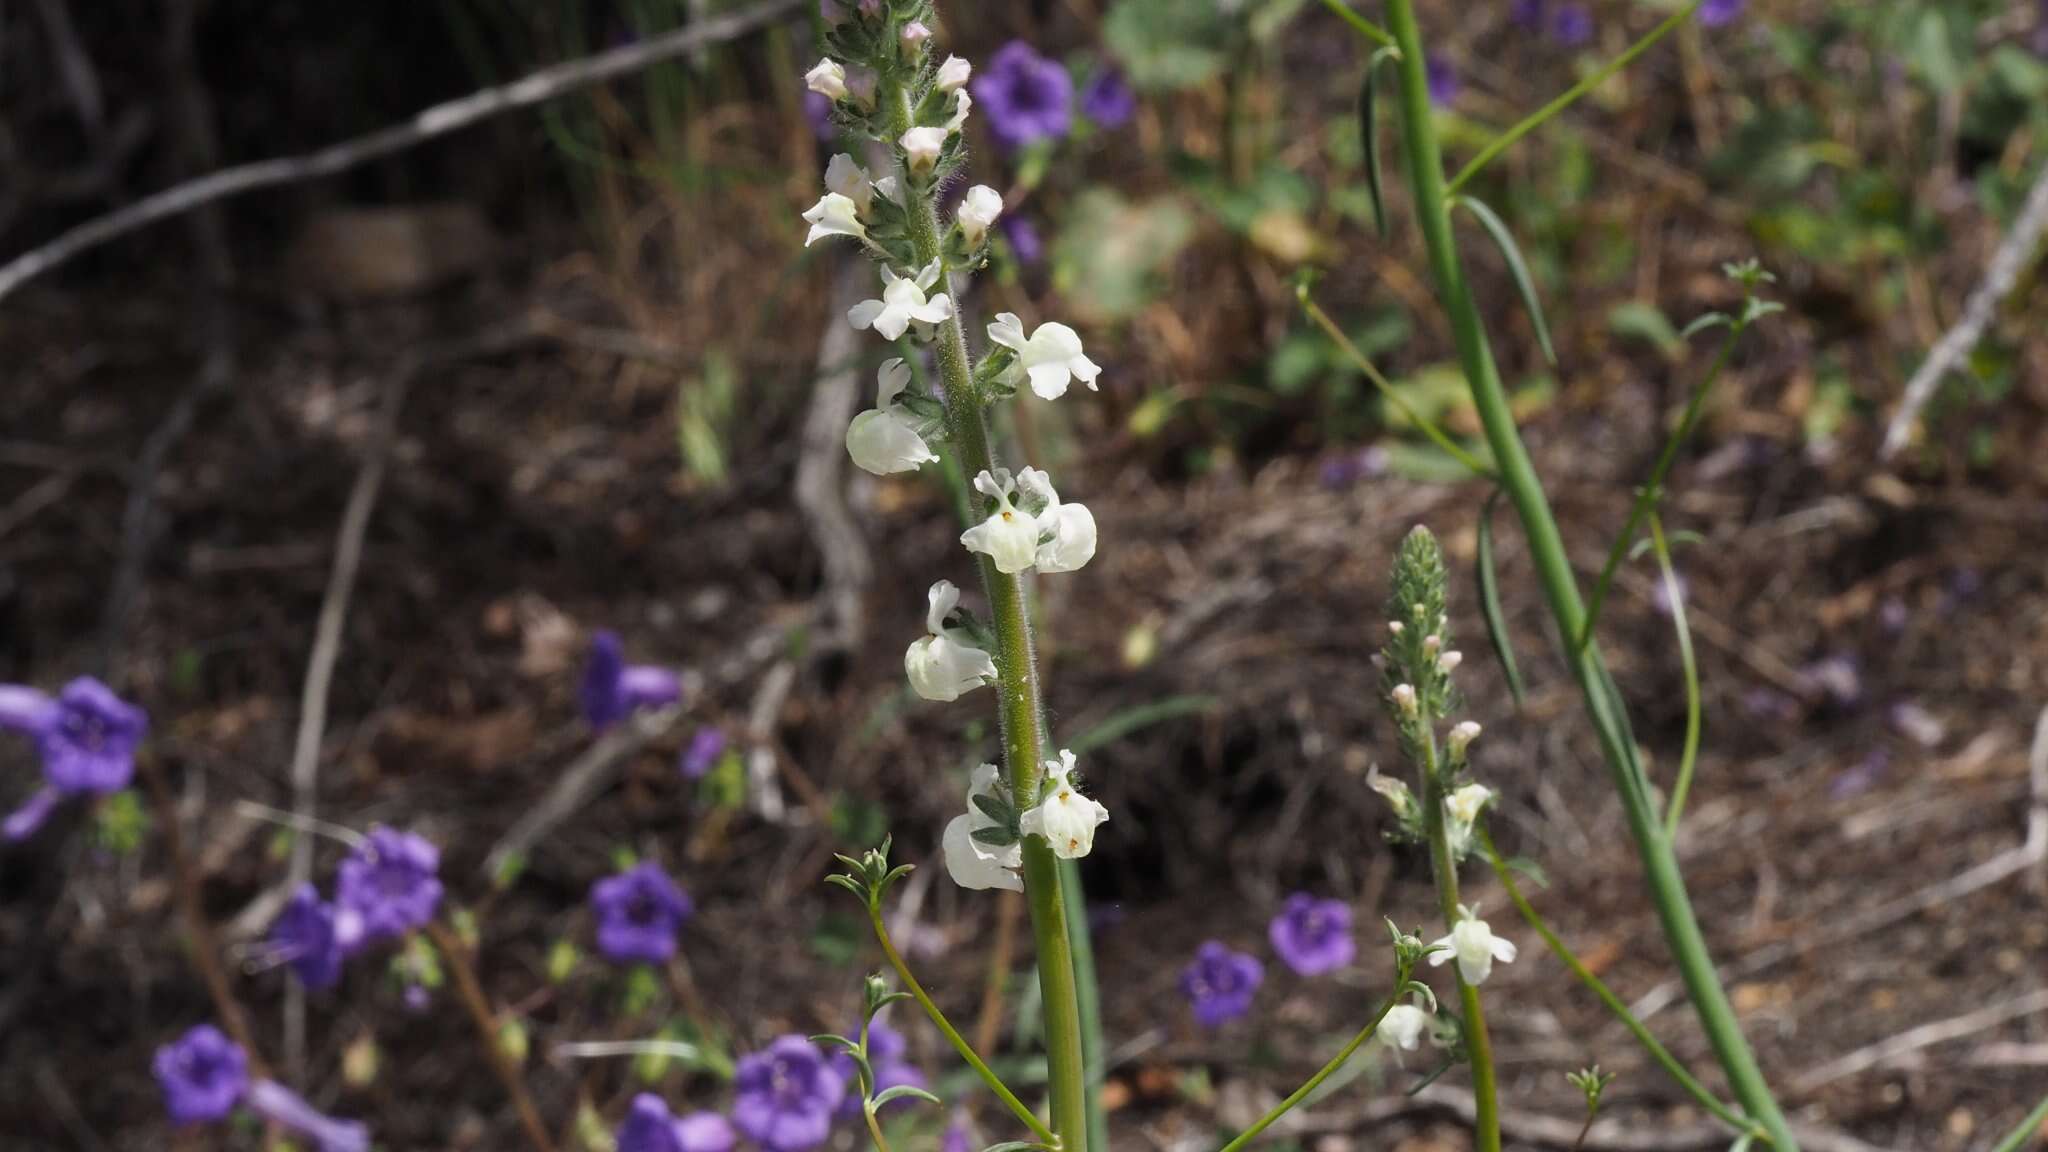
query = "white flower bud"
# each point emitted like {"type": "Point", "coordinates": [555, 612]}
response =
{"type": "Point", "coordinates": [1402, 1027]}
{"type": "Point", "coordinates": [1404, 698]}
{"type": "Point", "coordinates": [913, 38]}
{"type": "Point", "coordinates": [1395, 627]}
{"type": "Point", "coordinates": [828, 79]}
{"type": "Point", "coordinates": [1399, 798]}
{"type": "Point", "coordinates": [1430, 644]}
{"type": "Point", "coordinates": [978, 212]}
{"type": "Point", "coordinates": [963, 103]}
{"type": "Point", "coordinates": [860, 88]}
{"type": "Point", "coordinates": [1065, 818]}
{"type": "Point", "coordinates": [953, 74]}
{"type": "Point", "coordinates": [1475, 947]}
{"type": "Point", "coordinates": [1461, 737]}
{"type": "Point", "coordinates": [921, 146]}
{"type": "Point", "coordinates": [1449, 661]}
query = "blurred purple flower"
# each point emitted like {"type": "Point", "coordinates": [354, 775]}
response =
{"type": "Point", "coordinates": [818, 113]}
{"type": "Point", "coordinates": [1313, 936]}
{"type": "Point", "coordinates": [959, 1135]}
{"type": "Point", "coordinates": [1660, 594]}
{"type": "Point", "coordinates": [387, 887]}
{"type": "Point", "coordinates": [650, 1127]}
{"type": "Point", "coordinates": [1836, 677]}
{"type": "Point", "coordinates": [1715, 13]}
{"type": "Point", "coordinates": [1893, 615]}
{"type": "Point", "coordinates": [1864, 776]}
{"type": "Point", "coordinates": [888, 1055]}
{"type": "Point", "coordinates": [303, 936]}
{"type": "Point", "coordinates": [416, 998]}
{"type": "Point", "coordinates": [1763, 703]}
{"type": "Point", "coordinates": [86, 737]}
{"type": "Point", "coordinates": [1108, 99]}
{"type": "Point", "coordinates": [1916, 723]}
{"type": "Point", "coordinates": [202, 1074]}
{"type": "Point", "coordinates": [706, 1132]}
{"type": "Point", "coordinates": [638, 913]}
{"type": "Point", "coordinates": [1023, 238]}
{"type": "Point", "coordinates": [1442, 78]}
{"type": "Point", "coordinates": [1572, 25]}
{"type": "Point", "coordinates": [613, 689]}
{"type": "Point", "coordinates": [280, 1105]}
{"type": "Point", "coordinates": [707, 744]}
{"type": "Point", "coordinates": [1025, 96]}
{"type": "Point", "coordinates": [1219, 983]}
{"type": "Point", "coordinates": [785, 1096]}
{"type": "Point", "coordinates": [1346, 470]}
{"type": "Point", "coordinates": [1527, 13]}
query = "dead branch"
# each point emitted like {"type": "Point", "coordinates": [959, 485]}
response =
{"type": "Point", "coordinates": [1925, 1036]}
{"type": "Point", "coordinates": [820, 487]}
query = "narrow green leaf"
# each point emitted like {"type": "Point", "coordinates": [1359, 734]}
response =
{"type": "Point", "coordinates": [1369, 131]}
{"type": "Point", "coordinates": [1710, 320]}
{"type": "Point", "coordinates": [1489, 605]}
{"type": "Point", "coordinates": [994, 807]}
{"type": "Point", "coordinates": [904, 1092]}
{"type": "Point", "coordinates": [833, 1039]}
{"type": "Point", "coordinates": [1517, 267]}
{"type": "Point", "coordinates": [848, 883]}
{"type": "Point", "coordinates": [995, 837]}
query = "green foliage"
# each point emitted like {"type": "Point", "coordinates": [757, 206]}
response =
{"type": "Point", "coordinates": [1112, 253]}
{"type": "Point", "coordinates": [1172, 45]}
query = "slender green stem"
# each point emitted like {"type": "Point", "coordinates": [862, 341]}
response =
{"type": "Point", "coordinates": [1324, 1073]}
{"type": "Point", "coordinates": [2028, 1129]}
{"type": "Point", "coordinates": [1088, 998]}
{"type": "Point", "coordinates": [1536, 119]}
{"type": "Point", "coordinates": [1689, 758]}
{"type": "Point", "coordinates": [1436, 435]}
{"type": "Point", "coordinates": [1018, 706]}
{"type": "Point", "coordinates": [952, 1034]}
{"type": "Point", "coordinates": [1444, 863]}
{"type": "Point", "coordinates": [1546, 548]}
{"type": "Point", "coordinates": [1636, 1028]}
{"type": "Point", "coordinates": [875, 1130]}
{"type": "Point", "coordinates": [1653, 488]}
{"type": "Point", "coordinates": [1366, 28]}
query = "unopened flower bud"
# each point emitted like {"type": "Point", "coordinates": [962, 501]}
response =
{"type": "Point", "coordinates": [1431, 643]}
{"type": "Point", "coordinates": [913, 38]}
{"type": "Point", "coordinates": [978, 210]}
{"type": "Point", "coordinates": [953, 74]}
{"type": "Point", "coordinates": [828, 79]}
{"type": "Point", "coordinates": [1449, 661]}
{"type": "Point", "coordinates": [1404, 698]}
{"type": "Point", "coordinates": [922, 147]}
{"type": "Point", "coordinates": [1461, 737]}
{"type": "Point", "coordinates": [1395, 627]}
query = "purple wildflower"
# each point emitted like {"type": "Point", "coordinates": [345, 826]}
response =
{"type": "Point", "coordinates": [818, 113]}
{"type": "Point", "coordinates": [280, 1105]}
{"type": "Point", "coordinates": [1313, 936]}
{"type": "Point", "coordinates": [1527, 13]}
{"type": "Point", "coordinates": [785, 1096]}
{"type": "Point", "coordinates": [1837, 677]}
{"type": "Point", "coordinates": [303, 936]}
{"type": "Point", "coordinates": [86, 737]}
{"type": "Point", "coordinates": [387, 887]}
{"type": "Point", "coordinates": [1893, 615]}
{"type": "Point", "coordinates": [1715, 13]}
{"type": "Point", "coordinates": [959, 1134]}
{"type": "Point", "coordinates": [887, 1055]}
{"type": "Point", "coordinates": [1108, 99]}
{"type": "Point", "coordinates": [706, 746]}
{"type": "Point", "coordinates": [1763, 703]}
{"type": "Point", "coordinates": [1572, 25]}
{"type": "Point", "coordinates": [1219, 983]}
{"type": "Point", "coordinates": [1916, 723]}
{"type": "Point", "coordinates": [203, 1074]}
{"type": "Point", "coordinates": [1442, 79]}
{"type": "Point", "coordinates": [1022, 235]}
{"type": "Point", "coordinates": [416, 997]}
{"type": "Point", "coordinates": [613, 689]}
{"type": "Point", "coordinates": [1025, 96]}
{"type": "Point", "coordinates": [650, 1127]}
{"type": "Point", "coordinates": [1863, 776]}
{"type": "Point", "coordinates": [705, 1132]}
{"type": "Point", "coordinates": [638, 913]}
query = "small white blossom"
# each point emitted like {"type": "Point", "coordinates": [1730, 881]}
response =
{"type": "Point", "coordinates": [1399, 798]}
{"type": "Point", "coordinates": [939, 667]}
{"type": "Point", "coordinates": [850, 180]}
{"type": "Point", "coordinates": [1404, 698]}
{"type": "Point", "coordinates": [1431, 643]}
{"type": "Point", "coordinates": [1066, 532]}
{"type": "Point", "coordinates": [1462, 735]}
{"type": "Point", "coordinates": [978, 212]}
{"type": "Point", "coordinates": [953, 74]}
{"type": "Point", "coordinates": [1402, 1027]}
{"type": "Point", "coordinates": [1449, 661]}
{"type": "Point", "coordinates": [903, 300]}
{"type": "Point", "coordinates": [828, 79]}
{"type": "Point", "coordinates": [1065, 818]}
{"type": "Point", "coordinates": [1051, 357]}
{"type": "Point", "coordinates": [886, 438]}
{"type": "Point", "coordinates": [913, 37]}
{"type": "Point", "coordinates": [1394, 627]}
{"type": "Point", "coordinates": [971, 863]}
{"type": "Point", "coordinates": [1475, 947]}
{"type": "Point", "coordinates": [1463, 805]}
{"type": "Point", "coordinates": [962, 105]}
{"type": "Point", "coordinates": [834, 215]}
{"type": "Point", "coordinates": [921, 146]}
{"type": "Point", "coordinates": [1008, 537]}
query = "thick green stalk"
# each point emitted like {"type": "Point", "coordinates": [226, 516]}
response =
{"type": "Point", "coordinates": [1018, 707]}
{"type": "Point", "coordinates": [1546, 547]}
{"type": "Point", "coordinates": [1444, 863]}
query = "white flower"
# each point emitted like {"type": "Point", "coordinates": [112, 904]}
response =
{"type": "Point", "coordinates": [1051, 356]}
{"type": "Point", "coordinates": [1066, 532]}
{"type": "Point", "coordinates": [962, 105]}
{"type": "Point", "coordinates": [834, 215]}
{"type": "Point", "coordinates": [886, 438]}
{"type": "Point", "coordinates": [1402, 1027]}
{"type": "Point", "coordinates": [1431, 643]}
{"type": "Point", "coordinates": [850, 180]}
{"type": "Point", "coordinates": [1399, 798]}
{"type": "Point", "coordinates": [1404, 698]}
{"type": "Point", "coordinates": [1065, 818]}
{"type": "Point", "coordinates": [902, 301]}
{"type": "Point", "coordinates": [1476, 948]}
{"type": "Point", "coordinates": [828, 79]}
{"type": "Point", "coordinates": [921, 146]}
{"type": "Point", "coordinates": [953, 74]}
{"type": "Point", "coordinates": [1394, 627]}
{"type": "Point", "coordinates": [1449, 661]}
{"type": "Point", "coordinates": [1008, 537]}
{"type": "Point", "coordinates": [913, 37]}
{"type": "Point", "coordinates": [1461, 737]}
{"type": "Point", "coordinates": [939, 667]}
{"type": "Point", "coordinates": [887, 187]}
{"type": "Point", "coordinates": [978, 212]}
{"type": "Point", "coordinates": [971, 863]}
{"type": "Point", "coordinates": [1464, 804]}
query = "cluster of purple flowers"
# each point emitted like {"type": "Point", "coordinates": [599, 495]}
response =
{"type": "Point", "coordinates": [1310, 936]}
{"type": "Point", "coordinates": [204, 1075]}
{"type": "Point", "coordinates": [86, 737]}
{"type": "Point", "coordinates": [388, 887]}
{"type": "Point", "coordinates": [639, 911]}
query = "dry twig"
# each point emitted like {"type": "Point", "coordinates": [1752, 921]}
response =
{"type": "Point", "coordinates": [1924, 1036]}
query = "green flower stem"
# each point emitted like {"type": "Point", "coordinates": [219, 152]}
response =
{"type": "Point", "coordinates": [1650, 1043]}
{"type": "Point", "coordinates": [1343, 1055]}
{"type": "Point", "coordinates": [1019, 708]}
{"type": "Point", "coordinates": [1538, 118]}
{"type": "Point", "coordinates": [1689, 758]}
{"type": "Point", "coordinates": [1436, 435]}
{"type": "Point", "coordinates": [1478, 1045]}
{"type": "Point", "coordinates": [1366, 28]}
{"type": "Point", "coordinates": [1546, 548]}
{"type": "Point", "coordinates": [1088, 999]}
{"type": "Point", "coordinates": [2021, 1136]}
{"type": "Point", "coordinates": [1653, 488]}
{"type": "Point", "coordinates": [924, 1000]}
{"type": "Point", "coordinates": [875, 1130]}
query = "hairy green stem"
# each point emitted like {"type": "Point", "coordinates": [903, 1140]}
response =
{"type": "Point", "coordinates": [1018, 706]}
{"type": "Point", "coordinates": [1444, 863]}
{"type": "Point", "coordinates": [1689, 757]}
{"type": "Point", "coordinates": [1546, 548]}
{"type": "Point", "coordinates": [1599, 988]}
{"type": "Point", "coordinates": [1324, 1073]}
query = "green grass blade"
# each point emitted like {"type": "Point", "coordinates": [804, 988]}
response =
{"type": "Point", "coordinates": [1518, 268]}
{"type": "Point", "coordinates": [1489, 604]}
{"type": "Point", "coordinates": [1369, 133]}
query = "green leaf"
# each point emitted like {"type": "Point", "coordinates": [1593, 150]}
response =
{"type": "Point", "coordinates": [1517, 268]}
{"type": "Point", "coordinates": [1645, 322]}
{"type": "Point", "coordinates": [904, 1092]}
{"type": "Point", "coordinates": [994, 807]}
{"type": "Point", "coordinates": [1369, 133]}
{"type": "Point", "coordinates": [1703, 323]}
{"type": "Point", "coordinates": [994, 837]}
{"type": "Point", "coordinates": [1489, 604]}
{"type": "Point", "coordinates": [833, 1039]}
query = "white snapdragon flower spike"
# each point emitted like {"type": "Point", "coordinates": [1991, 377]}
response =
{"type": "Point", "coordinates": [1066, 532]}
{"type": "Point", "coordinates": [903, 300]}
{"type": "Point", "coordinates": [979, 210]}
{"type": "Point", "coordinates": [1050, 357]}
{"type": "Point", "coordinates": [954, 74]}
{"type": "Point", "coordinates": [971, 863]}
{"type": "Point", "coordinates": [1065, 818]}
{"type": "Point", "coordinates": [1475, 947]}
{"type": "Point", "coordinates": [940, 667]}
{"type": "Point", "coordinates": [886, 438]}
{"type": "Point", "coordinates": [850, 180]}
{"type": "Point", "coordinates": [834, 215]}
{"type": "Point", "coordinates": [1008, 537]}
{"type": "Point", "coordinates": [962, 105]}
{"type": "Point", "coordinates": [1402, 1027]}
{"type": "Point", "coordinates": [921, 146]}
{"type": "Point", "coordinates": [828, 79]}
